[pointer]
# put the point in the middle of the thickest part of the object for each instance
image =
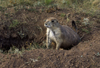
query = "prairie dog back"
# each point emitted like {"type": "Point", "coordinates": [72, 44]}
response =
{"type": "Point", "coordinates": [70, 36]}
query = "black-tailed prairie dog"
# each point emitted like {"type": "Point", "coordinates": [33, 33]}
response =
{"type": "Point", "coordinates": [62, 35]}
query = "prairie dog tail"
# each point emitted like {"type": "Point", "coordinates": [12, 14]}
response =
{"type": "Point", "coordinates": [74, 25]}
{"type": "Point", "coordinates": [76, 29]}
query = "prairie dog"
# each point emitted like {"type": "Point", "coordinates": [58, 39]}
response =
{"type": "Point", "coordinates": [62, 35]}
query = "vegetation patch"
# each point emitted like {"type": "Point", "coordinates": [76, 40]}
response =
{"type": "Point", "coordinates": [85, 30]}
{"type": "Point", "coordinates": [14, 23]}
{"type": "Point", "coordinates": [26, 3]}
{"type": "Point", "coordinates": [34, 45]}
{"type": "Point", "coordinates": [47, 2]}
{"type": "Point", "coordinates": [62, 15]}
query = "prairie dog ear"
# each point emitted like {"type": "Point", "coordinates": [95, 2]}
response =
{"type": "Point", "coordinates": [56, 21]}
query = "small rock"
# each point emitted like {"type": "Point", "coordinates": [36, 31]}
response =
{"type": "Point", "coordinates": [85, 21]}
{"type": "Point", "coordinates": [13, 35]}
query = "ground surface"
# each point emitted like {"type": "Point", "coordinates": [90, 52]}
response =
{"type": "Point", "coordinates": [85, 55]}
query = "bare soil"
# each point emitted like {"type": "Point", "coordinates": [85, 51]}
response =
{"type": "Point", "coordinates": [84, 55]}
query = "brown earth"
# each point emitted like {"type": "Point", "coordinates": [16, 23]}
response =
{"type": "Point", "coordinates": [85, 55]}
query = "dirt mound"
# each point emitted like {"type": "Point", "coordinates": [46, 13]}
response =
{"type": "Point", "coordinates": [26, 26]}
{"type": "Point", "coordinates": [85, 54]}
{"type": "Point", "coordinates": [39, 58]}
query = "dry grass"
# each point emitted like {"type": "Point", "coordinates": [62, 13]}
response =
{"type": "Point", "coordinates": [86, 6]}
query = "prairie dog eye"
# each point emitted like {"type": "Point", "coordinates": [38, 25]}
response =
{"type": "Point", "coordinates": [52, 21]}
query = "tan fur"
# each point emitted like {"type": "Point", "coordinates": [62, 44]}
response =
{"type": "Point", "coordinates": [62, 35]}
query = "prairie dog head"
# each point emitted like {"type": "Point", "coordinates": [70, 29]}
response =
{"type": "Point", "coordinates": [51, 22]}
